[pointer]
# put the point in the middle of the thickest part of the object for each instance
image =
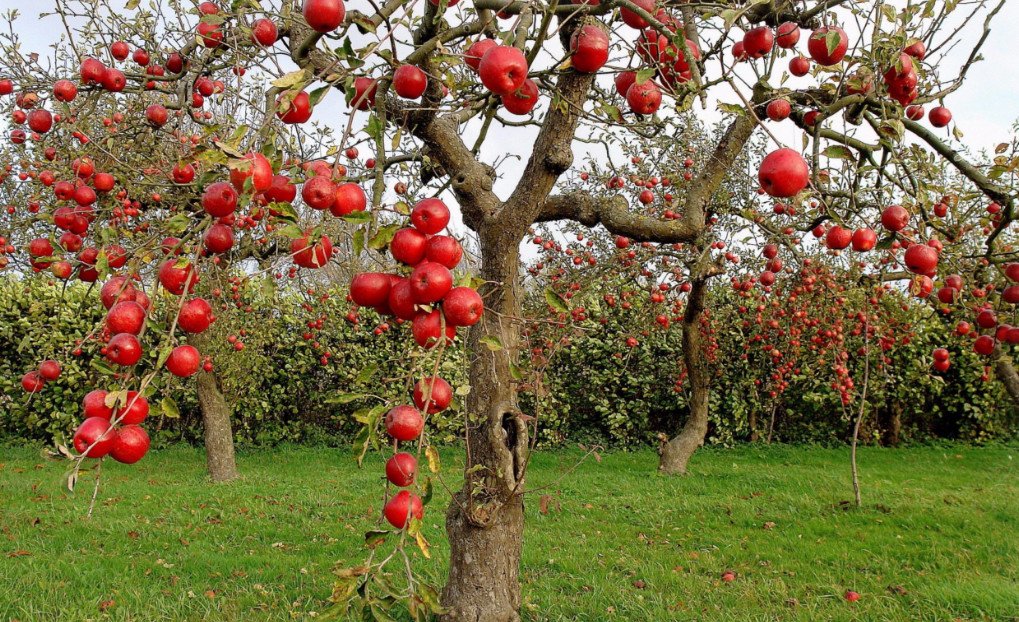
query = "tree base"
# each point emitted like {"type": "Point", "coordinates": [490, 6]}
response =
{"type": "Point", "coordinates": [484, 565]}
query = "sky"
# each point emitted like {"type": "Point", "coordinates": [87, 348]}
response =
{"type": "Point", "coordinates": [984, 109]}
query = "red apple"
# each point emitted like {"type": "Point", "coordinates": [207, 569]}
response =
{"type": "Point", "coordinates": [409, 81]}
{"type": "Point", "coordinates": [799, 66]}
{"type": "Point", "coordinates": [125, 317]}
{"type": "Point", "coordinates": [32, 382]}
{"type": "Point", "coordinates": [783, 173]}
{"type": "Point", "coordinates": [219, 199]}
{"type": "Point", "coordinates": [401, 469]}
{"type": "Point", "coordinates": [644, 98]}
{"type": "Point", "coordinates": [430, 216]}
{"type": "Point", "coordinates": [130, 444]}
{"type": "Point", "coordinates": [401, 508]}
{"type": "Point", "coordinates": [97, 434]}
{"type": "Point", "coordinates": [503, 69]}
{"type": "Point", "coordinates": [324, 15]}
{"type": "Point", "coordinates": [408, 246]}
{"type": "Point", "coordinates": [134, 410]}
{"type": "Point", "coordinates": [940, 116]}
{"type": "Point", "coordinates": [523, 100]}
{"type": "Point", "coordinates": [94, 405]}
{"type": "Point", "coordinates": [219, 238]}
{"type": "Point", "coordinates": [463, 306]}
{"type": "Point", "coordinates": [124, 349]}
{"type": "Point", "coordinates": [589, 46]}
{"type": "Point", "coordinates": [430, 282]}
{"type": "Point", "coordinates": [864, 240]}
{"type": "Point", "coordinates": [477, 51]}
{"type": "Point", "coordinates": [441, 396]}
{"type": "Point", "coordinates": [264, 32]}
{"type": "Point", "coordinates": [445, 250]}
{"type": "Point", "coordinates": [787, 35]}
{"type": "Point", "coordinates": [49, 370]}
{"type": "Point", "coordinates": [758, 41]}
{"type": "Point", "coordinates": [404, 423]}
{"type": "Point", "coordinates": [828, 45]}
{"type": "Point", "coordinates": [195, 316]}
{"type": "Point", "coordinates": [348, 198]}
{"type": "Point", "coordinates": [779, 110]}
{"type": "Point", "coordinates": [183, 361]}
{"type": "Point", "coordinates": [427, 329]}
{"type": "Point", "coordinates": [894, 218]}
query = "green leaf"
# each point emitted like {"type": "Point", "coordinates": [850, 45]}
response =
{"type": "Point", "coordinates": [163, 355]}
{"type": "Point", "coordinates": [286, 211]}
{"type": "Point", "coordinates": [358, 242]}
{"type": "Point", "coordinates": [735, 109]}
{"type": "Point", "coordinates": [178, 223]}
{"type": "Point", "coordinates": [366, 374]}
{"type": "Point", "coordinates": [556, 301]}
{"type": "Point", "coordinates": [645, 74]}
{"type": "Point", "coordinates": [170, 408]}
{"type": "Point", "coordinates": [345, 398]}
{"type": "Point", "coordinates": [374, 127]}
{"type": "Point", "coordinates": [316, 96]}
{"type": "Point", "coordinates": [384, 236]}
{"type": "Point", "coordinates": [426, 492]}
{"type": "Point", "coordinates": [358, 218]}
{"type": "Point", "coordinates": [491, 342]}
{"type": "Point", "coordinates": [838, 151]}
{"type": "Point", "coordinates": [832, 39]}
{"type": "Point", "coordinates": [414, 529]}
{"type": "Point", "coordinates": [290, 79]}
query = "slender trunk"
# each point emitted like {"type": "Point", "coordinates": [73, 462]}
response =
{"type": "Point", "coordinates": [219, 438]}
{"type": "Point", "coordinates": [677, 452]}
{"type": "Point", "coordinates": [753, 425]}
{"type": "Point", "coordinates": [485, 520]}
{"type": "Point", "coordinates": [771, 424]}
{"type": "Point", "coordinates": [859, 416]}
{"type": "Point", "coordinates": [1006, 372]}
{"type": "Point", "coordinates": [852, 458]}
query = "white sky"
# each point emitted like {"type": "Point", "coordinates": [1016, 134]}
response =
{"type": "Point", "coordinates": [984, 109]}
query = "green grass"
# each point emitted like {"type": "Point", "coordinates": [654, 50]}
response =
{"type": "Point", "coordinates": [940, 527]}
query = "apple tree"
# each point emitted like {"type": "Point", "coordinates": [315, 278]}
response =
{"type": "Point", "coordinates": [436, 93]}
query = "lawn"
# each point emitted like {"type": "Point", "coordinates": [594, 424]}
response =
{"type": "Point", "coordinates": [938, 538]}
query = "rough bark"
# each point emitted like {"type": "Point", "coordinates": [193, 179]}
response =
{"type": "Point", "coordinates": [1006, 373]}
{"type": "Point", "coordinates": [891, 423]}
{"type": "Point", "coordinates": [677, 452]}
{"type": "Point", "coordinates": [485, 520]}
{"type": "Point", "coordinates": [219, 438]}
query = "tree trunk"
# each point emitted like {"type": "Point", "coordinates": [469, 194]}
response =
{"type": "Point", "coordinates": [753, 425]}
{"type": "Point", "coordinates": [1006, 373]}
{"type": "Point", "coordinates": [485, 520]}
{"type": "Point", "coordinates": [677, 452]}
{"type": "Point", "coordinates": [219, 438]}
{"type": "Point", "coordinates": [891, 423]}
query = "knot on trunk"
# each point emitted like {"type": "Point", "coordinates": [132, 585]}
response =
{"type": "Point", "coordinates": [559, 160]}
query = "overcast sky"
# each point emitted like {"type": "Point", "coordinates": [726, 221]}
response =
{"type": "Point", "coordinates": [984, 109]}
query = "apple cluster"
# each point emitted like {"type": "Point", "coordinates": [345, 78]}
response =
{"type": "Point", "coordinates": [426, 297]}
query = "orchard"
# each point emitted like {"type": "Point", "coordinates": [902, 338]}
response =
{"type": "Point", "coordinates": [476, 231]}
